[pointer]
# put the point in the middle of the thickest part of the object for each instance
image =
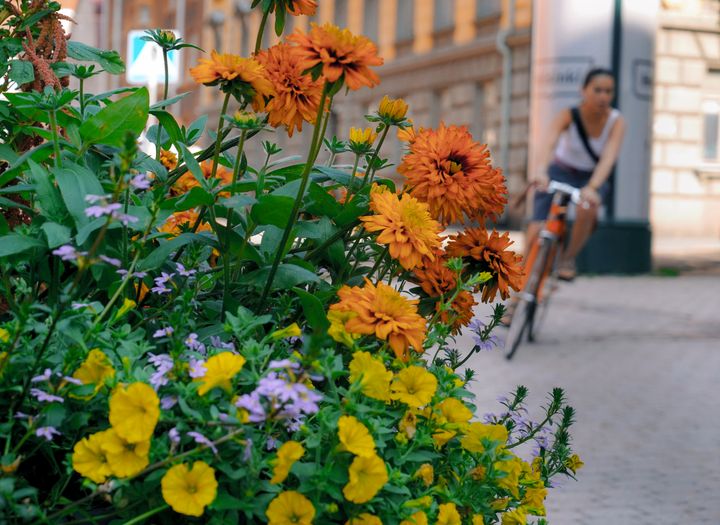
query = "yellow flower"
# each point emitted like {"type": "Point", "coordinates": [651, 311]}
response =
{"type": "Point", "coordinates": [512, 469]}
{"type": "Point", "coordinates": [477, 519]}
{"type": "Point", "coordinates": [424, 502]}
{"type": "Point", "coordinates": [448, 515]}
{"type": "Point", "coordinates": [289, 331]}
{"type": "Point", "coordinates": [361, 140]}
{"type": "Point", "coordinates": [514, 517]}
{"type": "Point", "coordinates": [219, 370]}
{"type": "Point", "coordinates": [372, 375]}
{"type": "Point", "coordinates": [500, 504]}
{"type": "Point", "coordinates": [128, 304]}
{"type": "Point", "coordinates": [4, 335]}
{"type": "Point", "coordinates": [408, 424]}
{"type": "Point", "coordinates": [477, 432]}
{"type": "Point", "coordinates": [290, 508]}
{"type": "Point", "coordinates": [89, 459]}
{"type": "Point", "coordinates": [168, 159]}
{"type": "Point", "coordinates": [364, 519]}
{"type": "Point", "coordinates": [419, 518]}
{"type": "Point", "coordinates": [287, 454]}
{"type": "Point", "coordinates": [337, 327]}
{"type": "Point", "coordinates": [535, 499]}
{"type": "Point", "coordinates": [125, 459]}
{"type": "Point", "coordinates": [189, 490]}
{"type": "Point", "coordinates": [426, 473]}
{"type": "Point", "coordinates": [574, 463]}
{"type": "Point", "coordinates": [355, 437]}
{"type": "Point", "coordinates": [393, 110]}
{"type": "Point", "coordinates": [367, 477]}
{"type": "Point", "coordinates": [134, 411]}
{"type": "Point", "coordinates": [452, 411]}
{"type": "Point", "coordinates": [95, 370]}
{"type": "Point", "coordinates": [414, 386]}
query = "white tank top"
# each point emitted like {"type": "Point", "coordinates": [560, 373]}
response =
{"type": "Point", "coordinates": [570, 150]}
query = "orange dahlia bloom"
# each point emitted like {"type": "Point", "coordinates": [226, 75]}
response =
{"type": "Point", "coordinates": [187, 180]}
{"type": "Point", "coordinates": [182, 221]}
{"type": "Point", "coordinates": [168, 159]}
{"type": "Point", "coordinates": [337, 53]}
{"type": "Point", "coordinates": [405, 225]}
{"type": "Point", "coordinates": [301, 7]}
{"type": "Point", "coordinates": [453, 174]}
{"type": "Point", "coordinates": [225, 68]}
{"type": "Point", "coordinates": [382, 311]}
{"type": "Point", "coordinates": [492, 256]}
{"type": "Point", "coordinates": [297, 96]}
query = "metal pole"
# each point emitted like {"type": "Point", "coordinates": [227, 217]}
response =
{"type": "Point", "coordinates": [616, 66]}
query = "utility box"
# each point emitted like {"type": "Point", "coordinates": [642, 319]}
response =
{"type": "Point", "coordinates": [617, 247]}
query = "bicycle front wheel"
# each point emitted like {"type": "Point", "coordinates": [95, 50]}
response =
{"type": "Point", "coordinates": [521, 323]}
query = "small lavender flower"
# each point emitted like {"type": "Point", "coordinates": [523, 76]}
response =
{"type": "Point", "coordinates": [72, 380]}
{"type": "Point", "coordinates": [98, 211]}
{"type": "Point", "coordinates": [92, 199]}
{"type": "Point", "coordinates": [47, 432]}
{"type": "Point", "coordinates": [160, 282]}
{"type": "Point", "coordinates": [125, 218]}
{"type": "Point", "coordinates": [163, 332]}
{"type": "Point", "coordinates": [44, 377]}
{"type": "Point", "coordinates": [163, 363]}
{"type": "Point", "coordinates": [271, 443]}
{"type": "Point", "coordinates": [167, 402]}
{"type": "Point", "coordinates": [78, 306]}
{"type": "Point", "coordinates": [191, 341]}
{"type": "Point", "coordinates": [219, 343]}
{"type": "Point", "coordinates": [68, 252]}
{"type": "Point", "coordinates": [110, 260]}
{"type": "Point", "coordinates": [140, 181]}
{"type": "Point", "coordinates": [247, 451]}
{"type": "Point", "coordinates": [174, 435]}
{"type": "Point", "coordinates": [251, 402]}
{"type": "Point", "coordinates": [202, 440]}
{"type": "Point", "coordinates": [44, 397]}
{"type": "Point", "coordinates": [22, 415]}
{"type": "Point", "coordinates": [183, 271]}
{"type": "Point", "coordinates": [281, 364]}
{"type": "Point", "coordinates": [482, 341]}
{"type": "Point", "coordinates": [197, 368]}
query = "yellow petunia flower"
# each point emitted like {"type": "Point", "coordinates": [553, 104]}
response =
{"type": "Point", "coordinates": [392, 109]}
{"type": "Point", "coordinates": [355, 437]}
{"type": "Point", "coordinates": [448, 515]}
{"type": "Point", "coordinates": [289, 331]}
{"type": "Point", "coordinates": [419, 518]}
{"type": "Point", "coordinates": [574, 463]}
{"type": "Point", "coordinates": [4, 335]}
{"type": "Point", "coordinates": [414, 386]}
{"type": "Point", "coordinates": [408, 424]}
{"type": "Point", "coordinates": [426, 473]}
{"type": "Point", "coordinates": [219, 370]}
{"type": "Point", "coordinates": [372, 375]}
{"type": "Point", "coordinates": [89, 459]}
{"type": "Point", "coordinates": [477, 519]}
{"type": "Point", "coordinates": [514, 517]}
{"type": "Point", "coordinates": [290, 508]}
{"type": "Point", "coordinates": [189, 490]}
{"type": "Point", "coordinates": [128, 304]}
{"type": "Point", "coordinates": [125, 459]}
{"type": "Point", "coordinates": [472, 441]}
{"type": "Point", "coordinates": [95, 370]}
{"type": "Point", "coordinates": [534, 499]}
{"type": "Point", "coordinates": [287, 455]}
{"type": "Point", "coordinates": [367, 477]}
{"type": "Point", "coordinates": [337, 327]}
{"type": "Point", "coordinates": [134, 412]}
{"type": "Point", "coordinates": [364, 519]}
{"type": "Point", "coordinates": [451, 411]}
{"type": "Point", "coordinates": [512, 469]}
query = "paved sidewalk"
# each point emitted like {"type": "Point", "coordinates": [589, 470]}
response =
{"type": "Point", "coordinates": [639, 358]}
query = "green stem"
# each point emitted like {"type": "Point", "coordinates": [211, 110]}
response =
{"type": "Point", "coordinates": [82, 98]}
{"type": "Point", "coordinates": [305, 177]}
{"type": "Point", "coordinates": [261, 30]}
{"type": "Point", "coordinates": [56, 142]}
{"type": "Point", "coordinates": [351, 186]}
{"type": "Point", "coordinates": [158, 146]}
{"type": "Point", "coordinates": [370, 173]}
{"type": "Point", "coordinates": [143, 517]}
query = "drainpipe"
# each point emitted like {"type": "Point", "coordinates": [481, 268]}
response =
{"type": "Point", "coordinates": [506, 87]}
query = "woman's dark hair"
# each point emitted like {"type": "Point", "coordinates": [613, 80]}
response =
{"type": "Point", "coordinates": [597, 72]}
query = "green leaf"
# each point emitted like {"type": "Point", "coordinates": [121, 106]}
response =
{"type": "Point", "coordinates": [35, 18]}
{"type": "Point", "coordinates": [194, 198]}
{"type": "Point", "coordinates": [75, 183]}
{"type": "Point", "coordinates": [169, 102]}
{"type": "Point", "coordinates": [21, 72]}
{"type": "Point", "coordinates": [14, 243]}
{"type": "Point", "coordinates": [7, 203]}
{"type": "Point", "coordinates": [162, 253]}
{"type": "Point", "coordinates": [110, 61]}
{"type": "Point", "coordinates": [192, 164]}
{"type": "Point", "coordinates": [48, 196]}
{"type": "Point", "coordinates": [287, 276]}
{"type": "Point", "coordinates": [170, 126]}
{"type": "Point", "coordinates": [56, 234]}
{"type": "Point", "coordinates": [272, 209]}
{"type": "Point", "coordinates": [110, 124]}
{"type": "Point", "coordinates": [319, 202]}
{"type": "Point", "coordinates": [313, 309]}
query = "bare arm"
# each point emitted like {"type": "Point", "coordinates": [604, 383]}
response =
{"type": "Point", "coordinates": [559, 124]}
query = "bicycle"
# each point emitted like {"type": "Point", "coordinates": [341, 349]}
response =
{"type": "Point", "coordinates": [541, 279]}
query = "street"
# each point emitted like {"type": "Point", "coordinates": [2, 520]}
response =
{"type": "Point", "coordinates": [639, 358]}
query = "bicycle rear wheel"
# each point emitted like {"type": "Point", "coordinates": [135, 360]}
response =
{"type": "Point", "coordinates": [521, 322]}
{"type": "Point", "coordinates": [542, 307]}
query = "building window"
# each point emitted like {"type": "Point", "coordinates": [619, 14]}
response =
{"type": "Point", "coordinates": [341, 12]}
{"type": "Point", "coordinates": [370, 19]}
{"type": "Point", "coordinates": [486, 8]}
{"type": "Point", "coordinates": [405, 20]}
{"type": "Point", "coordinates": [711, 116]}
{"type": "Point", "coordinates": [443, 15]}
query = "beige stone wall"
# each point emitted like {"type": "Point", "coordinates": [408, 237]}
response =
{"type": "Point", "coordinates": [685, 187]}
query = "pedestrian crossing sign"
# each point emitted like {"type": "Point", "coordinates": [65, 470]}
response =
{"type": "Point", "coordinates": [145, 61]}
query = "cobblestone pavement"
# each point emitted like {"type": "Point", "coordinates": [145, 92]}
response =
{"type": "Point", "coordinates": [639, 358]}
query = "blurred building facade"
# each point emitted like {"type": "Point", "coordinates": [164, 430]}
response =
{"type": "Point", "coordinates": [447, 59]}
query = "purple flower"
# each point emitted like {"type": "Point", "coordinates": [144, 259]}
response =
{"type": "Point", "coordinates": [44, 397]}
{"type": "Point", "coordinates": [247, 452]}
{"type": "Point", "coordinates": [163, 363]}
{"type": "Point", "coordinates": [123, 272]}
{"type": "Point", "coordinates": [110, 260]}
{"type": "Point", "coordinates": [174, 435]}
{"type": "Point", "coordinates": [160, 282]}
{"type": "Point", "coordinates": [47, 432]}
{"type": "Point", "coordinates": [197, 368]}
{"type": "Point", "coordinates": [192, 343]}
{"type": "Point", "coordinates": [281, 364]}
{"type": "Point", "coordinates": [167, 402]}
{"type": "Point", "coordinates": [22, 415]}
{"type": "Point", "coordinates": [125, 218]}
{"type": "Point", "coordinates": [183, 271]}
{"type": "Point", "coordinates": [202, 440]}
{"type": "Point", "coordinates": [102, 210]}
{"type": "Point", "coordinates": [68, 253]}
{"type": "Point", "coordinates": [45, 376]}
{"type": "Point", "coordinates": [78, 306]}
{"type": "Point", "coordinates": [72, 380]}
{"type": "Point", "coordinates": [219, 343]}
{"type": "Point", "coordinates": [92, 199]}
{"type": "Point", "coordinates": [163, 332]}
{"type": "Point", "coordinates": [251, 402]}
{"type": "Point", "coordinates": [140, 181]}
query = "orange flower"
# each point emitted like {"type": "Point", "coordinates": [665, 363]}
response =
{"type": "Point", "coordinates": [225, 69]}
{"type": "Point", "coordinates": [382, 311]}
{"type": "Point", "coordinates": [451, 173]}
{"type": "Point", "coordinates": [301, 7]}
{"type": "Point", "coordinates": [184, 184]}
{"type": "Point", "coordinates": [490, 255]}
{"type": "Point", "coordinates": [405, 225]}
{"type": "Point", "coordinates": [221, 173]}
{"type": "Point", "coordinates": [187, 180]}
{"type": "Point", "coordinates": [297, 96]}
{"type": "Point", "coordinates": [182, 221]}
{"type": "Point", "coordinates": [337, 54]}
{"type": "Point", "coordinates": [462, 310]}
{"type": "Point", "coordinates": [168, 159]}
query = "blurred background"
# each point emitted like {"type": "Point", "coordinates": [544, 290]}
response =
{"type": "Point", "coordinates": [502, 67]}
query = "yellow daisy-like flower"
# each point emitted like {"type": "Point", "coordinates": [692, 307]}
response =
{"type": "Point", "coordinates": [405, 226]}
{"type": "Point", "coordinates": [414, 386]}
{"type": "Point", "coordinates": [448, 515]}
{"type": "Point", "coordinates": [289, 331]}
{"type": "Point", "coordinates": [514, 517]}
{"type": "Point", "coordinates": [374, 378]}
{"type": "Point", "coordinates": [394, 110]}
{"type": "Point", "coordinates": [287, 455]}
{"type": "Point", "coordinates": [361, 140]}
{"type": "Point", "coordinates": [574, 463]}
{"type": "Point", "coordinates": [355, 437]}
{"type": "Point", "coordinates": [419, 518]}
{"type": "Point", "coordinates": [472, 441]}
{"type": "Point", "coordinates": [364, 519]}
{"type": "Point", "coordinates": [89, 459]}
{"type": "Point", "coordinates": [125, 459]}
{"type": "Point", "coordinates": [134, 412]}
{"type": "Point", "coordinates": [367, 477]}
{"type": "Point", "coordinates": [384, 312]}
{"type": "Point", "coordinates": [290, 508]}
{"type": "Point", "coordinates": [426, 473]}
{"type": "Point", "coordinates": [337, 327]}
{"type": "Point", "coordinates": [95, 370]}
{"type": "Point", "coordinates": [189, 490]}
{"type": "Point", "coordinates": [219, 370]}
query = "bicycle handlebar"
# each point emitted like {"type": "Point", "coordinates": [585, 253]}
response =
{"type": "Point", "coordinates": [571, 191]}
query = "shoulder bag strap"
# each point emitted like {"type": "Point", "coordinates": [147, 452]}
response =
{"type": "Point", "coordinates": [583, 134]}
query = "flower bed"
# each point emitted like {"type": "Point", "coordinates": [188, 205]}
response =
{"type": "Point", "coordinates": [184, 335]}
